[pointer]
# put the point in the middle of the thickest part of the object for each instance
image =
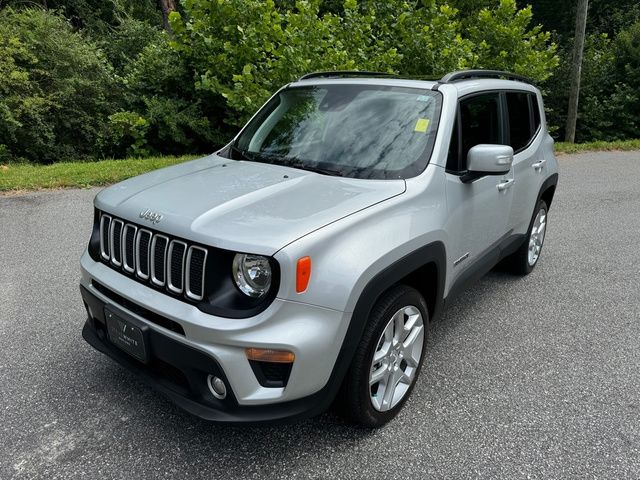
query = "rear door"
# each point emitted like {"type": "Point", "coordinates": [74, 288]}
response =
{"type": "Point", "coordinates": [478, 212]}
{"type": "Point", "coordinates": [528, 166]}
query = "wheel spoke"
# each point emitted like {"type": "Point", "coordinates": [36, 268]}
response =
{"type": "Point", "coordinates": [405, 378]}
{"type": "Point", "coordinates": [378, 375]}
{"type": "Point", "coordinates": [541, 231]}
{"type": "Point", "coordinates": [389, 389]}
{"type": "Point", "coordinates": [382, 353]}
{"type": "Point", "coordinates": [411, 360]}
{"type": "Point", "coordinates": [411, 321]}
{"type": "Point", "coordinates": [399, 327]}
{"type": "Point", "coordinates": [411, 338]}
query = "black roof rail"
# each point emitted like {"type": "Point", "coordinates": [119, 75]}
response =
{"type": "Point", "coordinates": [469, 74]}
{"type": "Point", "coordinates": [345, 73]}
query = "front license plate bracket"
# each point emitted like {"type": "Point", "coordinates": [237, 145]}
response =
{"type": "Point", "coordinates": [129, 336]}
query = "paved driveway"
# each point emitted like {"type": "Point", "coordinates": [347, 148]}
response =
{"type": "Point", "coordinates": [535, 377]}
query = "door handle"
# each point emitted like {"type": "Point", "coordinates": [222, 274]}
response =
{"type": "Point", "coordinates": [538, 165]}
{"type": "Point", "coordinates": [506, 184]}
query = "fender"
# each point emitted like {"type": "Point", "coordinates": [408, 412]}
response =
{"type": "Point", "coordinates": [431, 253]}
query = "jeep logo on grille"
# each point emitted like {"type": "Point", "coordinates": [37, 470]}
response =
{"type": "Point", "coordinates": [153, 217]}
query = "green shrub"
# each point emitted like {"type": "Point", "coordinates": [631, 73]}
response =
{"type": "Point", "coordinates": [164, 113]}
{"type": "Point", "coordinates": [127, 40]}
{"type": "Point", "coordinates": [57, 88]}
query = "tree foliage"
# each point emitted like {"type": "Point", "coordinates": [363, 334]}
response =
{"type": "Point", "coordinates": [243, 50]}
{"type": "Point", "coordinates": [90, 78]}
{"type": "Point", "coordinates": [56, 89]}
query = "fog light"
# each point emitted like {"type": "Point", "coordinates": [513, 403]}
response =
{"type": "Point", "coordinates": [217, 387]}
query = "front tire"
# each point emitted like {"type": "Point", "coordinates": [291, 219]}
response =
{"type": "Point", "coordinates": [388, 359]}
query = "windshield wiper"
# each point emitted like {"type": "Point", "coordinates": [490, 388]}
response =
{"type": "Point", "coordinates": [297, 163]}
{"type": "Point", "coordinates": [292, 162]}
{"type": "Point", "coordinates": [323, 171]}
{"type": "Point", "coordinates": [244, 155]}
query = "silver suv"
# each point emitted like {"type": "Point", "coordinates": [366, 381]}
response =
{"type": "Point", "coordinates": [301, 265]}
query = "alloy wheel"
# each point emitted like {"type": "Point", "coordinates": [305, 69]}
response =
{"type": "Point", "coordinates": [396, 358]}
{"type": "Point", "coordinates": [537, 236]}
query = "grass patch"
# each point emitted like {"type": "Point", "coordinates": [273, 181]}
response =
{"type": "Point", "coordinates": [24, 176]}
{"type": "Point", "coordinates": [621, 145]}
{"type": "Point", "coordinates": [16, 177]}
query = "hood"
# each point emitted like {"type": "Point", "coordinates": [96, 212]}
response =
{"type": "Point", "coordinates": [242, 206]}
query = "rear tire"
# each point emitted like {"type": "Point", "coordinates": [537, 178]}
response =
{"type": "Point", "coordinates": [524, 260]}
{"type": "Point", "coordinates": [376, 388]}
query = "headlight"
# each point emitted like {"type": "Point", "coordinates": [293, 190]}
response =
{"type": "Point", "coordinates": [252, 274]}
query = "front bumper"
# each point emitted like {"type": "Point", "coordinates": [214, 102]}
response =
{"type": "Point", "coordinates": [180, 362]}
{"type": "Point", "coordinates": [180, 372]}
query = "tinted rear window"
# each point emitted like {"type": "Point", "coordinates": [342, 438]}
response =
{"type": "Point", "coordinates": [520, 131]}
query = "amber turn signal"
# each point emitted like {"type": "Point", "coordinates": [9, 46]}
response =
{"type": "Point", "coordinates": [269, 355]}
{"type": "Point", "coordinates": [303, 274]}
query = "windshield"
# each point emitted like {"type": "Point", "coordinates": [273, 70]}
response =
{"type": "Point", "coordinates": [362, 131]}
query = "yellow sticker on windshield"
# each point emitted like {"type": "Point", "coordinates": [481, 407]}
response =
{"type": "Point", "coordinates": [421, 125]}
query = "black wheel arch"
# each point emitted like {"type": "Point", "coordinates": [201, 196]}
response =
{"type": "Point", "coordinates": [548, 190]}
{"type": "Point", "coordinates": [417, 269]}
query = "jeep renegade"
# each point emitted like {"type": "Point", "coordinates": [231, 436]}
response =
{"type": "Point", "coordinates": [301, 265]}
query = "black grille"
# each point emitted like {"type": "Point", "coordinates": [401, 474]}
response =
{"type": "Point", "coordinates": [176, 265]}
{"type": "Point", "coordinates": [196, 270]}
{"type": "Point", "coordinates": [105, 224]}
{"type": "Point", "coordinates": [159, 258]}
{"type": "Point", "coordinates": [116, 244]}
{"type": "Point", "coordinates": [129, 245]}
{"type": "Point", "coordinates": [144, 240]}
{"type": "Point", "coordinates": [153, 257]}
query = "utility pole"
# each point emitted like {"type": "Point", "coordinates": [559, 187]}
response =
{"type": "Point", "coordinates": [166, 7]}
{"type": "Point", "coordinates": [576, 70]}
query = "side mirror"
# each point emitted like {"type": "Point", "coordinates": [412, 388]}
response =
{"type": "Point", "coordinates": [488, 160]}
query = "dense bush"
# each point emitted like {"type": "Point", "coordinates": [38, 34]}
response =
{"type": "Point", "coordinates": [57, 89]}
{"type": "Point", "coordinates": [163, 112]}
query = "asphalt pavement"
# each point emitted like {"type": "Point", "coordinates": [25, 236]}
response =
{"type": "Point", "coordinates": [535, 377]}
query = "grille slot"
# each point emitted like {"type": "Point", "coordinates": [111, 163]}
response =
{"type": "Point", "coordinates": [175, 270]}
{"type": "Point", "coordinates": [165, 262]}
{"type": "Point", "coordinates": [129, 243]}
{"type": "Point", "coordinates": [196, 259]}
{"type": "Point", "coordinates": [159, 259]}
{"type": "Point", "coordinates": [143, 242]}
{"type": "Point", "coordinates": [105, 225]}
{"type": "Point", "coordinates": [116, 242]}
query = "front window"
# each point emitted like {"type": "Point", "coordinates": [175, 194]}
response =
{"type": "Point", "coordinates": [361, 131]}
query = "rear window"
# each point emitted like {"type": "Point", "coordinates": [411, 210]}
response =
{"type": "Point", "coordinates": [536, 112]}
{"type": "Point", "coordinates": [520, 131]}
{"type": "Point", "coordinates": [524, 118]}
